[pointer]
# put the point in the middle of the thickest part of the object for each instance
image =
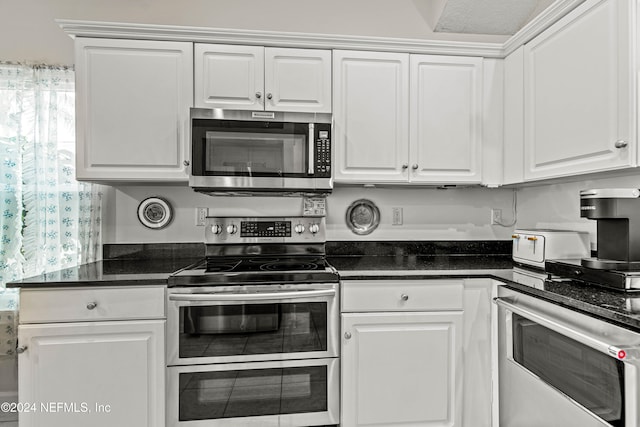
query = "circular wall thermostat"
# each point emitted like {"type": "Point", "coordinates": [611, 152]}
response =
{"type": "Point", "coordinates": [363, 216]}
{"type": "Point", "coordinates": [155, 213]}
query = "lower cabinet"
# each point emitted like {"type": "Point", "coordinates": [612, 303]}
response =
{"type": "Point", "coordinates": [402, 359]}
{"type": "Point", "coordinates": [88, 371]}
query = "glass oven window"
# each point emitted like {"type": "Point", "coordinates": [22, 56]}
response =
{"type": "Point", "coordinates": [593, 379]}
{"type": "Point", "coordinates": [259, 392]}
{"type": "Point", "coordinates": [250, 329]}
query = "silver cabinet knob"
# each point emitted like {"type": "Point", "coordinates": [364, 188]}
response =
{"type": "Point", "coordinates": [92, 305]}
{"type": "Point", "coordinates": [269, 96]}
{"type": "Point", "coordinates": [415, 166]}
{"type": "Point", "coordinates": [258, 95]}
{"type": "Point", "coordinates": [404, 297]}
{"type": "Point", "coordinates": [347, 335]}
{"type": "Point", "coordinates": [186, 163]}
{"type": "Point", "coordinates": [405, 166]}
{"type": "Point", "coordinates": [21, 349]}
{"type": "Point", "coordinates": [621, 143]}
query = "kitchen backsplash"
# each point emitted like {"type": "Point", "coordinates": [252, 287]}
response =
{"type": "Point", "coordinates": [427, 213]}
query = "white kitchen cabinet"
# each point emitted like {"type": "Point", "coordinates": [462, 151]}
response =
{"type": "Point", "coordinates": [259, 78]}
{"type": "Point", "coordinates": [401, 353]}
{"type": "Point", "coordinates": [132, 104]}
{"type": "Point", "coordinates": [513, 148]}
{"type": "Point", "coordinates": [401, 118]}
{"type": "Point", "coordinates": [75, 370]}
{"type": "Point", "coordinates": [578, 93]}
{"type": "Point", "coordinates": [371, 116]}
{"type": "Point", "coordinates": [446, 119]}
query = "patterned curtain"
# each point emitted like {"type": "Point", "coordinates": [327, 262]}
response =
{"type": "Point", "coordinates": [48, 220]}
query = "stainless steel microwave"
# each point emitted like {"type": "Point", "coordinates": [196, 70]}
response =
{"type": "Point", "coordinates": [249, 152]}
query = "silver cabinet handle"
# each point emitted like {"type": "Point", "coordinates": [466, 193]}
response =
{"type": "Point", "coordinates": [92, 305]}
{"type": "Point", "coordinates": [347, 335]}
{"type": "Point", "coordinates": [269, 96]}
{"type": "Point", "coordinates": [415, 166]}
{"type": "Point", "coordinates": [405, 166]}
{"type": "Point", "coordinates": [621, 143]}
{"type": "Point", "coordinates": [186, 162]}
{"type": "Point", "coordinates": [21, 349]}
{"type": "Point", "coordinates": [404, 297]}
{"type": "Point", "coordinates": [258, 95]}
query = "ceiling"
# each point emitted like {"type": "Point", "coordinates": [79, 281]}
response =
{"type": "Point", "coordinates": [499, 17]}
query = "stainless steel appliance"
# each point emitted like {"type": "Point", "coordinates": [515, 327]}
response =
{"type": "Point", "coordinates": [558, 367]}
{"type": "Point", "coordinates": [269, 153]}
{"type": "Point", "coordinates": [252, 330]}
{"type": "Point", "coordinates": [617, 212]}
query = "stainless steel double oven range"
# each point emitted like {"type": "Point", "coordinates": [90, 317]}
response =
{"type": "Point", "coordinates": [252, 330]}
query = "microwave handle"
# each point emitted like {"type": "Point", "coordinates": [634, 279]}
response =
{"type": "Point", "coordinates": [312, 149]}
{"type": "Point", "coordinates": [624, 353]}
{"type": "Point", "coordinates": [240, 297]}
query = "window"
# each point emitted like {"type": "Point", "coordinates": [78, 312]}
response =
{"type": "Point", "coordinates": [48, 220]}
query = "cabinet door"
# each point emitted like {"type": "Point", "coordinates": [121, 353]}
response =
{"type": "Point", "coordinates": [132, 103]}
{"type": "Point", "coordinates": [371, 116]}
{"type": "Point", "coordinates": [229, 76]}
{"type": "Point", "coordinates": [578, 93]}
{"type": "Point", "coordinates": [102, 374]}
{"type": "Point", "coordinates": [297, 80]}
{"type": "Point", "coordinates": [446, 119]}
{"type": "Point", "coordinates": [402, 369]}
{"type": "Point", "coordinates": [513, 149]}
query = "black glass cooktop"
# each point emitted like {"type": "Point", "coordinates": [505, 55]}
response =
{"type": "Point", "coordinates": [213, 271]}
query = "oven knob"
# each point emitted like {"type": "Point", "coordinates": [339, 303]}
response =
{"type": "Point", "coordinates": [231, 229]}
{"type": "Point", "coordinates": [216, 229]}
{"type": "Point", "coordinates": [299, 228]}
{"type": "Point", "coordinates": [314, 228]}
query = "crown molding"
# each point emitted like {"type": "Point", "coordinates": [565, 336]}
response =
{"type": "Point", "coordinates": [544, 20]}
{"type": "Point", "coordinates": [276, 39]}
{"type": "Point", "coordinates": [121, 30]}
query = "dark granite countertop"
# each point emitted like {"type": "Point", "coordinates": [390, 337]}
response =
{"type": "Point", "coordinates": [114, 272]}
{"type": "Point", "coordinates": [149, 264]}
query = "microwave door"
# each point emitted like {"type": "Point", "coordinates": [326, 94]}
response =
{"type": "Point", "coordinates": [255, 155]}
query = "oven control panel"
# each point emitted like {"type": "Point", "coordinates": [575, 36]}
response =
{"type": "Point", "coordinates": [222, 230]}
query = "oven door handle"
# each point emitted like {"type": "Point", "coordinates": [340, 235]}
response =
{"type": "Point", "coordinates": [213, 296]}
{"type": "Point", "coordinates": [624, 353]}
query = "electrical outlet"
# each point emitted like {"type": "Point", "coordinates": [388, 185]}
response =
{"type": "Point", "coordinates": [496, 216]}
{"type": "Point", "coordinates": [397, 216]}
{"type": "Point", "coordinates": [201, 214]}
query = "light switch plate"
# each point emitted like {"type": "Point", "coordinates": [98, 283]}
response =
{"type": "Point", "coordinates": [201, 215]}
{"type": "Point", "coordinates": [397, 216]}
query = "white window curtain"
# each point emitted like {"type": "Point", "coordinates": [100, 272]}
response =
{"type": "Point", "coordinates": [48, 220]}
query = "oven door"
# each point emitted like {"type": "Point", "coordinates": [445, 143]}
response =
{"type": "Point", "coordinates": [560, 367]}
{"type": "Point", "coordinates": [260, 394]}
{"type": "Point", "coordinates": [252, 323]}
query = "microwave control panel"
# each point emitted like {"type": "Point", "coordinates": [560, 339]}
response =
{"type": "Point", "coordinates": [323, 150]}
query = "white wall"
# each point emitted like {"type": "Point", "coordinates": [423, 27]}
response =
{"type": "Point", "coordinates": [28, 31]}
{"type": "Point", "coordinates": [557, 206]}
{"type": "Point", "coordinates": [429, 214]}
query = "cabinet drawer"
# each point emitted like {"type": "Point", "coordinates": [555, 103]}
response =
{"type": "Point", "coordinates": [401, 295]}
{"type": "Point", "coordinates": [109, 303]}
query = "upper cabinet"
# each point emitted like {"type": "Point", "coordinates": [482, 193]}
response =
{"type": "Point", "coordinates": [259, 78]}
{"type": "Point", "coordinates": [407, 118]}
{"type": "Point", "coordinates": [371, 116]}
{"type": "Point", "coordinates": [132, 107]}
{"type": "Point", "coordinates": [445, 119]}
{"type": "Point", "coordinates": [579, 93]}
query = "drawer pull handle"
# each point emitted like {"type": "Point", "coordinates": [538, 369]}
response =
{"type": "Point", "coordinates": [21, 349]}
{"type": "Point", "coordinates": [92, 305]}
{"type": "Point", "coordinates": [404, 297]}
{"type": "Point", "coordinates": [347, 335]}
